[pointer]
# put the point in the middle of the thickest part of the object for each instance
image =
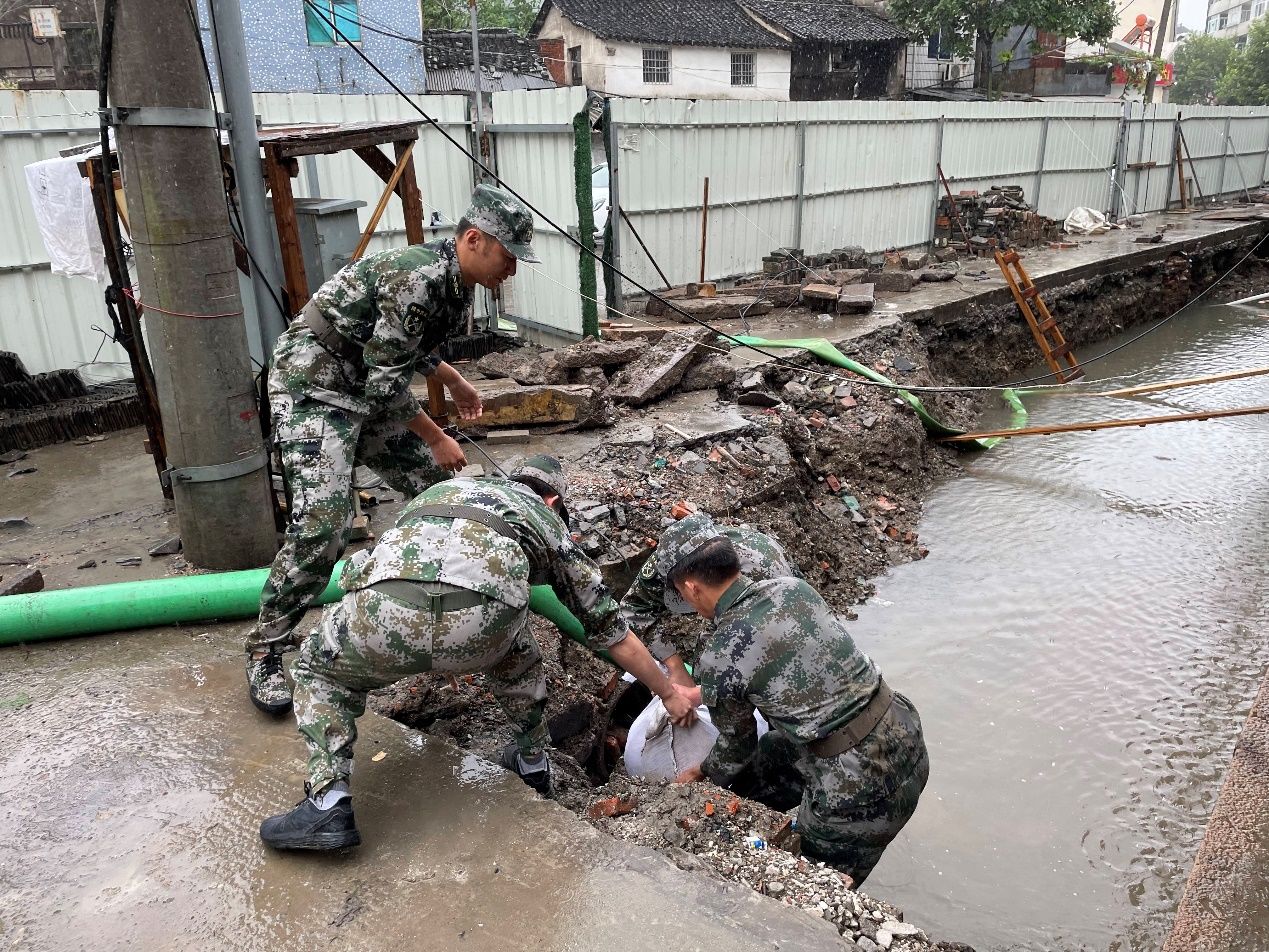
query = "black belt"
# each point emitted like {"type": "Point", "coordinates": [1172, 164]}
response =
{"type": "Point", "coordinates": [328, 337]}
{"type": "Point", "coordinates": [436, 597]}
{"type": "Point", "coordinates": [860, 726]}
{"type": "Point", "coordinates": [470, 513]}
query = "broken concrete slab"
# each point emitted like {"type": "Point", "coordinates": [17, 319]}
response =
{"type": "Point", "coordinates": [618, 332]}
{"type": "Point", "coordinates": [639, 435]}
{"type": "Point", "coordinates": [819, 293]}
{"type": "Point", "coordinates": [23, 582]}
{"type": "Point", "coordinates": [914, 260]}
{"type": "Point", "coordinates": [900, 281]}
{"type": "Point", "coordinates": [507, 437]}
{"type": "Point", "coordinates": [589, 377]}
{"type": "Point", "coordinates": [712, 372]}
{"type": "Point", "coordinates": [722, 308]}
{"type": "Point", "coordinates": [601, 353]}
{"type": "Point", "coordinates": [508, 404]}
{"type": "Point", "coordinates": [661, 369]}
{"type": "Point", "coordinates": [844, 276]}
{"type": "Point", "coordinates": [15, 523]}
{"type": "Point", "coordinates": [935, 275]}
{"type": "Point", "coordinates": [856, 299]}
{"type": "Point", "coordinates": [528, 366]}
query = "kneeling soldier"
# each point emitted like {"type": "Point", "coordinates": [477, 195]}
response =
{"type": "Point", "coordinates": [447, 589]}
{"type": "Point", "coordinates": [840, 738]}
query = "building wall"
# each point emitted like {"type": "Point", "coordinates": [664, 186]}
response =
{"type": "Point", "coordinates": [922, 71]}
{"type": "Point", "coordinates": [282, 60]}
{"type": "Point", "coordinates": [696, 72]}
{"type": "Point", "coordinates": [1236, 16]}
{"type": "Point", "coordinates": [876, 71]}
{"type": "Point", "coordinates": [553, 53]}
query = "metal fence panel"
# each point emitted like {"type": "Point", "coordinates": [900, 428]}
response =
{"type": "Point", "coordinates": [537, 160]}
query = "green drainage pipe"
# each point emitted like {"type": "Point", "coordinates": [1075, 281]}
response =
{"type": "Point", "coordinates": [181, 599]}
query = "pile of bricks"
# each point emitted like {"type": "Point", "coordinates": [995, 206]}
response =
{"type": "Point", "coordinates": [999, 218]}
{"type": "Point", "coordinates": [38, 409]}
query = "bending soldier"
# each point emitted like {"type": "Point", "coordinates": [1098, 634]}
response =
{"type": "Point", "coordinates": [841, 741]}
{"type": "Point", "coordinates": [447, 589]}
{"type": "Point", "coordinates": [340, 393]}
{"type": "Point", "coordinates": [652, 597]}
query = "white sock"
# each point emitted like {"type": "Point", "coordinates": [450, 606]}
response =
{"type": "Point", "coordinates": [331, 795]}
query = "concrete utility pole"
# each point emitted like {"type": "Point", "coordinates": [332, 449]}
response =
{"type": "Point", "coordinates": [189, 286]}
{"type": "Point", "coordinates": [235, 87]}
{"type": "Point", "coordinates": [1160, 35]}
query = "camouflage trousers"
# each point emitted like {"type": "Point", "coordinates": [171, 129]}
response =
{"type": "Point", "coordinates": [854, 804]}
{"type": "Point", "coordinates": [320, 444]}
{"type": "Point", "coordinates": [369, 640]}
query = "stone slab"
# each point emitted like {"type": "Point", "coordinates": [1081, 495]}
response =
{"type": "Point", "coordinates": [600, 353]}
{"type": "Point", "coordinates": [661, 369]}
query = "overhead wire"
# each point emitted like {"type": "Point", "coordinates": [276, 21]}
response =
{"type": "Point", "coordinates": [774, 358]}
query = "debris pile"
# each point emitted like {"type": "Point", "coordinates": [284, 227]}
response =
{"type": "Point", "coordinates": [708, 829]}
{"type": "Point", "coordinates": [999, 218]}
{"type": "Point", "coordinates": [39, 409]}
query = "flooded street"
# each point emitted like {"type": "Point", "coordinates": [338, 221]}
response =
{"type": "Point", "coordinates": [1083, 642]}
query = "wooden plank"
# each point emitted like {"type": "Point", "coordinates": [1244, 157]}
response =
{"type": "Point", "coordinates": [379, 163]}
{"type": "Point", "coordinates": [411, 197]}
{"type": "Point", "coordinates": [1103, 424]}
{"type": "Point", "coordinates": [1172, 384]}
{"type": "Point", "coordinates": [382, 204]}
{"type": "Point", "coordinates": [279, 180]}
{"type": "Point", "coordinates": [293, 143]}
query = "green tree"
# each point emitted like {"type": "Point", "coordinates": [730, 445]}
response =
{"type": "Point", "coordinates": [1200, 62]}
{"type": "Point", "coordinates": [516, 15]}
{"type": "Point", "coordinates": [1246, 79]}
{"type": "Point", "coordinates": [972, 26]}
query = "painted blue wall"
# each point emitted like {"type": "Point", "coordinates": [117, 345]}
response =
{"type": "Point", "coordinates": [283, 61]}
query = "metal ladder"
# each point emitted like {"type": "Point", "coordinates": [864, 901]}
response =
{"type": "Point", "coordinates": [1057, 352]}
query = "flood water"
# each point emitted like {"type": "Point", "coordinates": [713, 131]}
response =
{"type": "Point", "coordinates": [1083, 643]}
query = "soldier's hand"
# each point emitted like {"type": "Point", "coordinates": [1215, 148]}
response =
{"type": "Point", "coordinates": [681, 710]}
{"type": "Point", "coordinates": [466, 399]}
{"type": "Point", "coordinates": [448, 454]}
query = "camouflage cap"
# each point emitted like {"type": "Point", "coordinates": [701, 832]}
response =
{"type": "Point", "coordinates": [682, 539]}
{"type": "Point", "coordinates": [501, 215]}
{"type": "Point", "coordinates": [545, 475]}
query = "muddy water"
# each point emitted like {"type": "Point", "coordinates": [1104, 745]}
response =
{"type": "Point", "coordinates": [1083, 643]}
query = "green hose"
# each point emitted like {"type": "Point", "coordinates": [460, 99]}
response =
{"type": "Point", "coordinates": [182, 599]}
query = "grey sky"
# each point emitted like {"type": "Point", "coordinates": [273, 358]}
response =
{"type": "Point", "coordinates": [1193, 14]}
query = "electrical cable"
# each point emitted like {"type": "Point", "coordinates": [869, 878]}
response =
{"type": "Point", "coordinates": [563, 232]}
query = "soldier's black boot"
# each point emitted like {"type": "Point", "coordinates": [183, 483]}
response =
{"type": "Point", "coordinates": [267, 684]}
{"type": "Point", "coordinates": [536, 776]}
{"type": "Point", "coordinates": [309, 828]}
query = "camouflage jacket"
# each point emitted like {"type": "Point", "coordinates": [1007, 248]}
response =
{"type": "Point", "coordinates": [778, 647]}
{"type": "Point", "coordinates": [473, 556]}
{"type": "Point", "coordinates": [399, 305]}
{"type": "Point", "coordinates": [650, 598]}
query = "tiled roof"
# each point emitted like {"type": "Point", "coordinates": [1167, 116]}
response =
{"type": "Point", "coordinates": [669, 22]}
{"type": "Point", "coordinates": [827, 21]}
{"type": "Point", "coordinates": [500, 51]}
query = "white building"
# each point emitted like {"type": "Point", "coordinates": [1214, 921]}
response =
{"type": "Point", "coordinates": [1233, 18]}
{"type": "Point", "coordinates": [723, 49]}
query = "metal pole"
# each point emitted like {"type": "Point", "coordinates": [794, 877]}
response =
{"type": "Point", "coordinates": [1141, 152]}
{"type": "Point", "coordinates": [480, 81]}
{"type": "Point", "coordinates": [612, 151]}
{"type": "Point", "coordinates": [1264, 165]}
{"type": "Point", "coordinates": [1039, 175]}
{"type": "Point", "coordinates": [704, 227]}
{"type": "Point", "coordinates": [1121, 160]}
{"type": "Point", "coordinates": [189, 286]}
{"type": "Point", "coordinates": [1220, 188]}
{"type": "Point", "coordinates": [235, 87]}
{"type": "Point", "coordinates": [938, 164]}
{"type": "Point", "coordinates": [800, 202]}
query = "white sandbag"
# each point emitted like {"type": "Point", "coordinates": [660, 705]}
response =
{"type": "Point", "coordinates": [657, 750]}
{"type": "Point", "coordinates": [1085, 221]}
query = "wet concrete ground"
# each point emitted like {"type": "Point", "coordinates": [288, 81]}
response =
{"type": "Point", "coordinates": [135, 775]}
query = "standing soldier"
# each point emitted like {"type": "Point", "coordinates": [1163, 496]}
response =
{"type": "Point", "coordinates": [340, 394]}
{"type": "Point", "coordinates": [447, 589]}
{"type": "Point", "coordinates": [652, 597]}
{"type": "Point", "coordinates": [852, 746]}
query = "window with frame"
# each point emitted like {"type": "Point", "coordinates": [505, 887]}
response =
{"type": "Point", "coordinates": [743, 68]}
{"type": "Point", "coordinates": [1259, 9]}
{"type": "Point", "coordinates": [840, 61]}
{"type": "Point", "coordinates": [575, 65]}
{"type": "Point", "coordinates": [345, 15]}
{"type": "Point", "coordinates": [656, 66]}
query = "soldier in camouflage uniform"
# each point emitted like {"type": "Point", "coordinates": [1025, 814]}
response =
{"type": "Point", "coordinates": [340, 394]}
{"type": "Point", "coordinates": [838, 732]}
{"type": "Point", "coordinates": [447, 589]}
{"type": "Point", "coordinates": [652, 597]}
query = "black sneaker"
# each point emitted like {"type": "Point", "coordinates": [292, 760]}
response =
{"type": "Point", "coordinates": [308, 828]}
{"type": "Point", "coordinates": [267, 684]}
{"type": "Point", "coordinates": [539, 780]}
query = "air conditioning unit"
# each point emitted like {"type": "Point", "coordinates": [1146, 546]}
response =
{"type": "Point", "coordinates": [951, 72]}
